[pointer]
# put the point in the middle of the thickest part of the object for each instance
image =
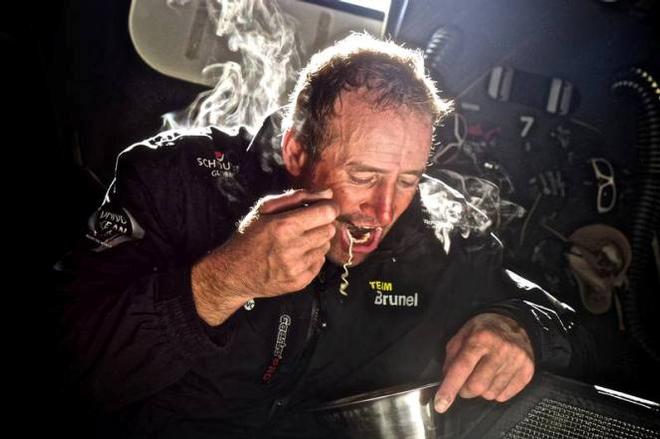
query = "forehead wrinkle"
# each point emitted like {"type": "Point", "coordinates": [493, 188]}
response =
{"type": "Point", "coordinates": [390, 148]}
{"type": "Point", "coordinates": [353, 123]}
{"type": "Point", "coordinates": [359, 129]}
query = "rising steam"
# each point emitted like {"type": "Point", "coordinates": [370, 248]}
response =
{"type": "Point", "coordinates": [467, 205]}
{"type": "Point", "coordinates": [263, 37]}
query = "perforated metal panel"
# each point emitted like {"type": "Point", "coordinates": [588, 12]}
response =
{"type": "Point", "coordinates": [555, 419]}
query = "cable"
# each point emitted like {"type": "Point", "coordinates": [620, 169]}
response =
{"type": "Point", "coordinates": [646, 211]}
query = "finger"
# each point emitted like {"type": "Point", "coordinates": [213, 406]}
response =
{"type": "Point", "coordinates": [318, 236]}
{"type": "Point", "coordinates": [316, 267]}
{"type": "Point", "coordinates": [457, 373]}
{"type": "Point", "coordinates": [310, 217]}
{"type": "Point", "coordinates": [452, 349]}
{"type": "Point", "coordinates": [299, 264]}
{"type": "Point", "coordinates": [521, 367]}
{"type": "Point", "coordinates": [481, 378]}
{"type": "Point", "coordinates": [501, 380]}
{"type": "Point", "coordinates": [289, 200]}
{"type": "Point", "coordinates": [308, 275]}
{"type": "Point", "coordinates": [313, 256]}
{"type": "Point", "coordinates": [310, 247]}
{"type": "Point", "coordinates": [493, 372]}
{"type": "Point", "coordinates": [296, 261]}
{"type": "Point", "coordinates": [519, 381]}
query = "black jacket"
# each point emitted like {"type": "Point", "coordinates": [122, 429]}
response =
{"type": "Point", "coordinates": [139, 350]}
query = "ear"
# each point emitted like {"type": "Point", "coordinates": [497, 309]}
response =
{"type": "Point", "coordinates": [294, 155]}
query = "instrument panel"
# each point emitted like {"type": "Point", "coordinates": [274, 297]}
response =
{"type": "Point", "coordinates": [539, 114]}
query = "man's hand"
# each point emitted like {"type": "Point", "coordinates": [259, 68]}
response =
{"type": "Point", "coordinates": [279, 248]}
{"type": "Point", "coordinates": [490, 356]}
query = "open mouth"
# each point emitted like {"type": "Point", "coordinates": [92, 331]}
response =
{"type": "Point", "coordinates": [361, 239]}
{"type": "Point", "coordinates": [360, 235]}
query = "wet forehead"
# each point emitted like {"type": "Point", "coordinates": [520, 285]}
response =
{"type": "Point", "coordinates": [395, 137]}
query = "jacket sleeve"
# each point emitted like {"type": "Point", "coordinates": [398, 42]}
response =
{"type": "Point", "coordinates": [128, 321]}
{"type": "Point", "coordinates": [559, 342]}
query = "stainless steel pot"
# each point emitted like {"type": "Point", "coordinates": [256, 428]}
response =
{"type": "Point", "coordinates": [398, 412]}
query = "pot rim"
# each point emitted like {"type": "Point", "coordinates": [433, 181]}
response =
{"type": "Point", "coordinates": [376, 395]}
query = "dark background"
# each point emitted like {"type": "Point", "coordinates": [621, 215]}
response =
{"type": "Point", "coordinates": [593, 45]}
{"type": "Point", "coordinates": [76, 93]}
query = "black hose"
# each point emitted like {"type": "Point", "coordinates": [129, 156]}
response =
{"type": "Point", "coordinates": [441, 52]}
{"type": "Point", "coordinates": [646, 210]}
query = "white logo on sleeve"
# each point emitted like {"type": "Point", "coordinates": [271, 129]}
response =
{"type": "Point", "coordinates": [111, 225]}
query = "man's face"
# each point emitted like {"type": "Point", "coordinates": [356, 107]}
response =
{"type": "Point", "coordinates": [372, 163]}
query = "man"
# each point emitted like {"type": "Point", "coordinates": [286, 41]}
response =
{"type": "Point", "coordinates": [209, 299]}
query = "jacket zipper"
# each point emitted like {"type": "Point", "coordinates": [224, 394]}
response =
{"type": "Point", "coordinates": [308, 349]}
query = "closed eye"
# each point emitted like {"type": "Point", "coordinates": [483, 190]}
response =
{"type": "Point", "coordinates": [362, 178]}
{"type": "Point", "coordinates": [408, 182]}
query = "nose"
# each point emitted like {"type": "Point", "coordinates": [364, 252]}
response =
{"type": "Point", "coordinates": [381, 204]}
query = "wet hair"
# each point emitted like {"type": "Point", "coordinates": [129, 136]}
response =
{"type": "Point", "coordinates": [387, 75]}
